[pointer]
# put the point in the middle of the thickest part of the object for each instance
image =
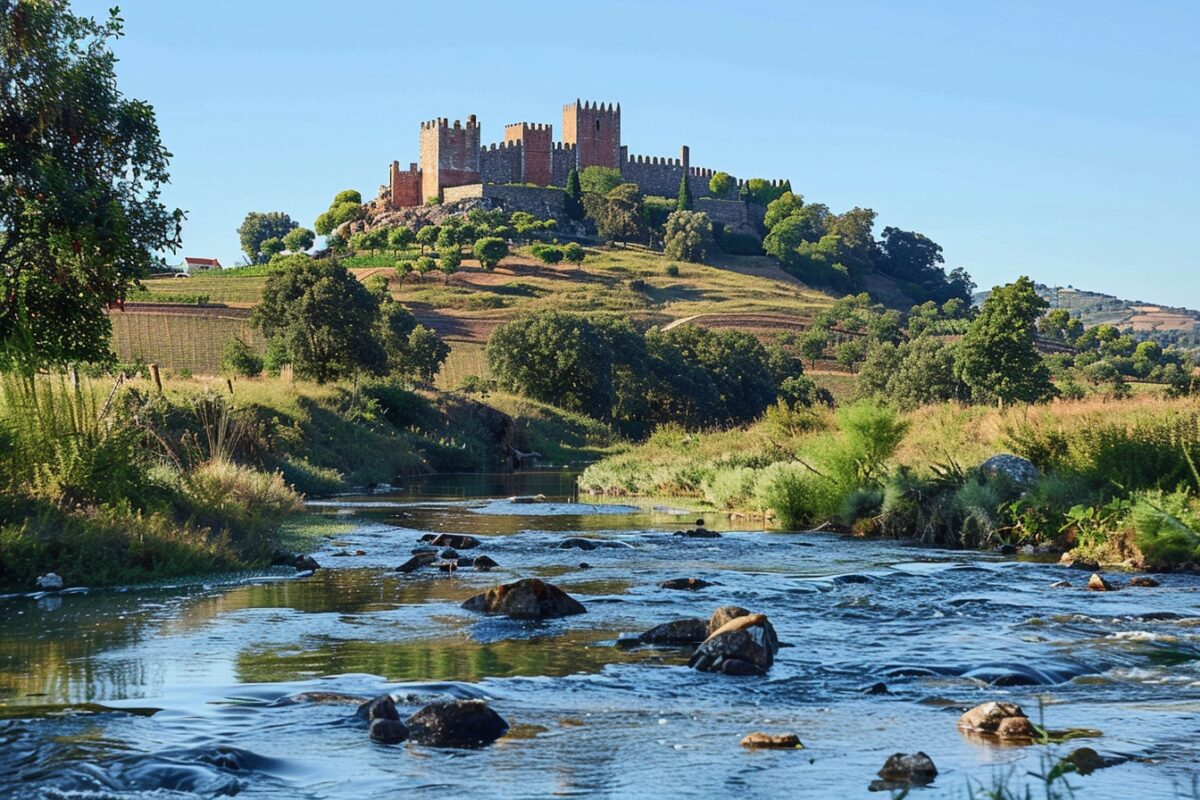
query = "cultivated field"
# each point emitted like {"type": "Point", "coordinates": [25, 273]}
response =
{"type": "Point", "coordinates": [177, 340]}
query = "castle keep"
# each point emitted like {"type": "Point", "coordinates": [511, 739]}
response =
{"type": "Point", "coordinates": [452, 157]}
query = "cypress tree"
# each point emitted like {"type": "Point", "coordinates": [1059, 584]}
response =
{"type": "Point", "coordinates": [685, 194]}
{"type": "Point", "coordinates": [574, 196]}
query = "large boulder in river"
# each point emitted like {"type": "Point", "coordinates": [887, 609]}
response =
{"type": "Point", "coordinates": [722, 615]}
{"type": "Point", "coordinates": [1002, 720]}
{"type": "Point", "coordinates": [903, 770]}
{"type": "Point", "coordinates": [743, 646]}
{"type": "Point", "coordinates": [456, 723]}
{"type": "Point", "coordinates": [50, 582]}
{"type": "Point", "coordinates": [382, 707]}
{"type": "Point", "coordinates": [529, 598]}
{"type": "Point", "coordinates": [1014, 469]}
{"type": "Point", "coordinates": [416, 562]}
{"type": "Point", "coordinates": [388, 731]}
{"type": "Point", "coordinates": [459, 541]}
{"type": "Point", "coordinates": [690, 630]}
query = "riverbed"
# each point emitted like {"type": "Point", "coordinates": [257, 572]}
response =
{"type": "Point", "coordinates": [187, 690]}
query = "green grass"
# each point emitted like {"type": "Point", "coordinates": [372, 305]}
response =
{"type": "Point", "coordinates": [229, 286]}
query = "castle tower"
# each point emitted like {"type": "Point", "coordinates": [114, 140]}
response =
{"type": "Point", "coordinates": [536, 145]}
{"type": "Point", "coordinates": [404, 187]}
{"type": "Point", "coordinates": [449, 155]}
{"type": "Point", "coordinates": [595, 130]}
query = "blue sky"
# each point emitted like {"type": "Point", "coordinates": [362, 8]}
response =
{"type": "Point", "coordinates": [1055, 139]}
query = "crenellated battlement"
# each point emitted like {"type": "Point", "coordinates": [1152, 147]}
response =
{"type": "Point", "coordinates": [452, 155]}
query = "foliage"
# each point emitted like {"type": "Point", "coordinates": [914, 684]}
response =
{"type": "Point", "coordinates": [260, 227]}
{"type": "Point", "coordinates": [238, 359]}
{"type": "Point", "coordinates": [573, 253]}
{"type": "Point", "coordinates": [599, 180]}
{"type": "Point", "coordinates": [81, 172]}
{"type": "Point", "coordinates": [490, 251]}
{"type": "Point", "coordinates": [685, 202]}
{"type": "Point", "coordinates": [618, 215]}
{"type": "Point", "coordinates": [424, 355]}
{"type": "Point", "coordinates": [720, 184]}
{"type": "Point", "coordinates": [547, 254]}
{"type": "Point", "coordinates": [996, 357]}
{"type": "Point", "coordinates": [688, 236]}
{"type": "Point", "coordinates": [761, 192]}
{"type": "Point", "coordinates": [1166, 528]}
{"type": "Point", "coordinates": [346, 207]}
{"type": "Point", "coordinates": [915, 373]}
{"type": "Point", "coordinates": [299, 240]}
{"type": "Point", "coordinates": [574, 203]}
{"type": "Point", "coordinates": [324, 316]}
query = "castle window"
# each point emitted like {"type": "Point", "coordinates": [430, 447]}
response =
{"type": "Point", "coordinates": [597, 124]}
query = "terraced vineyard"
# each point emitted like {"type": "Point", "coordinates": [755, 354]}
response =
{"type": "Point", "coordinates": [177, 340]}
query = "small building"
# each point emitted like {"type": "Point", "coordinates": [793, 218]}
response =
{"type": "Point", "coordinates": [191, 265]}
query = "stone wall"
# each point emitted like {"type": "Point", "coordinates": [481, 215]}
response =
{"type": "Point", "coordinates": [562, 161]}
{"type": "Point", "coordinates": [545, 203]}
{"type": "Point", "coordinates": [536, 142]}
{"type": "Point", "coordinates": [501, 163]}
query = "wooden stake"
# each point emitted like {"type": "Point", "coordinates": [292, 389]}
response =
{"type": "Point", "coordinates": [154, 376]}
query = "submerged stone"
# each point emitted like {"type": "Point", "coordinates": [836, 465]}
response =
{"type": "Point", "coordinates": [484, 563]}
{"type": "Point", "coordinates": [687, 584]}
{"type": "Point", "coordinates": [529, 598]}
{"type": "Point", "coordinates": [388, 731]}
{"type": "Point", "coordinates": [902, 770]}
{"type": "Point", "coordinates": [1145, 581]}
{"type": "Point", "coordinates": [417, 561]}
{"type": "Point", "coordinates": [456, 723]}
{"type": "Point", "coordinates": [458, 541]}
{"type": "Point", "coordinates": [1002, 720]}
{"type": "Point", "coordinates": [772, 741]}
{"type": "Point", "coordinates": [690, 630]}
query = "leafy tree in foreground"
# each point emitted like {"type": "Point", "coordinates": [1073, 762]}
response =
{"type": "Point", "coordinates": [260, 226]}
{"type": "Point", "coordinates": [81, 171]}
{"type": "Point", "coordinates": [688, 236]}
{"type": "Point", "coordinates": [325, 319]}
{"type": "Point", "coordinates": [996, 357]}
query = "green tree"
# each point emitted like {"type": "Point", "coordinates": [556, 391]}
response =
{"type": "Point", "coordinates": [489, 251]}
{"type": "Point", "coordinates": [574, 205]}
{"type": "Point", "coordinates": [685, 195]}
{"type": "Point", "coordinates": [735, 362]}
{"type": "Point", "coordinates": [81, 172]}
{"type": "Point", "coordinates": [812, 344]}
{"type": "Point", "coordinates": [449, 261]}
{"type": "Point", "coordinates": [850, 352]}
{"type": "Point", "coordinates": [346, 207]}
{"type": "Point", "coordinates": [620, 215]}
{"type": "Point", "coordinates": [401, 238]}
{"type": "Point", "coordinates": [270, 248]}
{"type": "Point", "coordinates": [916, 373]}
{"type": "Point", "coordinates": [574, 253]}
{"type": "Point", "coordinates": [547, 254]}
{"type": "Point", "coordinates": [260, 226]}
{"type": "Point", "coordinates": [996, 357]}
{"type": "Point", "coordinates": [428, 236]}
{"type": "Point", "coordinates": [447, 240]}
{"type": "Point", "coordinates": [426, 352]}
{"type": "Point", "coordinates": [403, 270]}
{"type": "Point", "coordinates": [761, 191]}
{"type": "Point", "coordinates": [424, 265]}
{"type": "Point", "coordinates": [392, 328]}
{"type": "Point", "coordinates": [324, 318]}
{"type": "Point", "coordinates": [600, 180]}
{"type": "Point", "coordinates": [721, 184]}
{"type": "Point", "coordinates": [688, 236]}
{"type": "Point", "coordinates": [238, 359]}
{"type": "Point", "coordinates": [298, 240]}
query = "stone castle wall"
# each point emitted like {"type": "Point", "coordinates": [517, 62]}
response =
{"type": "Point", "coordinates": [547, 203]}
{"type": "Point", "coordinates": [501, 163]}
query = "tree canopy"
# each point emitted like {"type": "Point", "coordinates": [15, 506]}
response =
{"type": "Point", "coordinates": [81, 173]}
{"type": "Point", "coordinates": [259, 227]}
{"type": "Point", "coordinates": [996, 357]}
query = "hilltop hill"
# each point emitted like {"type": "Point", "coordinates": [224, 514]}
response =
{"type": "Point", "coordinates": [744, 292]}
{"type": "Point", "coordinates": [1146, 321]}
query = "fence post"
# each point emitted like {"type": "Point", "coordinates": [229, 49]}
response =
{"type": "Point", "coordinates": [154, 376]}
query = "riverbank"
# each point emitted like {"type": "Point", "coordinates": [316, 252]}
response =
{"type": "Point", "coordinates": [1115, 481]}
{"type": "Point", "coordinates": [105, 484]}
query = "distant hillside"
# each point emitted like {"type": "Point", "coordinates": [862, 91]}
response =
{"type": "Point", "coordinates": [1153, 321]}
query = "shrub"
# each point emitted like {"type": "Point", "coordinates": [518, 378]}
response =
{"type": "Point", "coordinates": [672, 270]}
{"type": "Point", "coordinates": [739, 243]}
{"type": "Point", "coordinates": [795, 495]}
{"type": "Point", "coordinates": [1165, 528]}
{"type": "Point", "coordinates": [688, 236]}
{"type": "Point", "coordinates": [731, 487]}
{"type": "Point", "coordinates": [238, 359]}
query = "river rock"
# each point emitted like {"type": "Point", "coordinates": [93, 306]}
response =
{"type": "Point", "coordinates": [446, 566]}
{"type": "Point", "coordinates": [458, 541]}
{"type": "Point", "coordinates": [1061, 585]}
{"type": "Point", "coordinates": [449, 554]}
{"type": "Point", "coordinates": [1002, 720]}
{"type": "Point", "coordinates": [690, 630]}
{"type": "Point", "coordinates": [306, 564]}
{"type": "Point", "coordinates": [484, 563]}
{"type": "Point", "coordinates": [743, 646]}
{"type": "Point", "coordinates": [1017, 470]}
{"type": "Point", "coordinates": [724, 614]}
{"type": "Point", "coordinates": [528, 499]}
{"type": "Point", "coordinates": [529, 598]}
{"type": "Point", "coordinates": [772, 741]}
{"type": "Point", "coordinates": [698, 533]}
{"type": "Point", "coordinates": [687, 584]}
{"type": "Point", "coordinates": [382, 707]}
{"type": "Point", "coordinates": [417, 561]}
{"type": "Point", "coordinates": [388, 731]}
{"type": "Point", "coordinates": [50, 582]}
{"type": "Point", "coordinates": [1145, 581]}
{"type": "Point", "coordinates": [1069, 559]}
{"type": "Point", "coordinates": [1097, 584]}
{"type": "Point", "coordinates": [904, 769]}
{"type": "Point", "coordinates": [456, 723]}
{"type": "Point", "coordinates": [578, 543]}
{"type": "Point", "coordinates": [1086, 760]}
{"type": "Point", "coordinates": [877, 688]}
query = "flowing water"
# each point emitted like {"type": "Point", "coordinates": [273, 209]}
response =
{"type": "Point", "coordinates": [191, 690]}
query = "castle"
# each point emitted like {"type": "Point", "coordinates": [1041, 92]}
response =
{"type": "Point", "coordinates": [455, 165]}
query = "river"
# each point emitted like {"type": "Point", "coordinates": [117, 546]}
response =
{"type": "Point", "coordinates": [180, 691]}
